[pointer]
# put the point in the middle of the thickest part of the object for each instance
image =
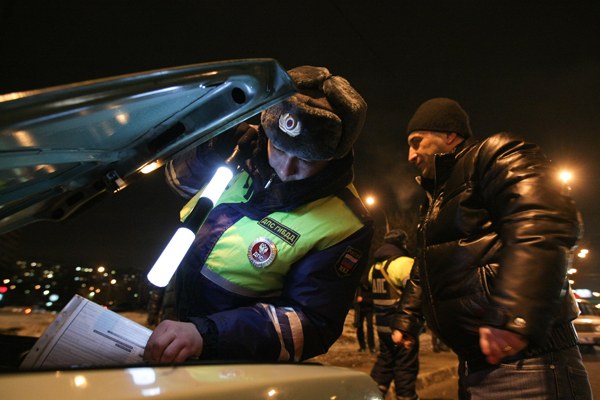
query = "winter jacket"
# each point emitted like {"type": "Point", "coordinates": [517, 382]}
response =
{"type": "Point", "coordinates": [387, 277]}
{"type": "Point", "coordinates": [273, 271]}
{"type": "Point", "coordinates": [495, 238]}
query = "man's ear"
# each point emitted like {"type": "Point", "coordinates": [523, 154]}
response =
{"type": "Point", "coordinates": [452, 139]}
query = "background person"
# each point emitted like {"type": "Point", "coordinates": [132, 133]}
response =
{"type": "Point", "coordinates": [494, 244]}
{"type": "Point", "coordinates": [388, 276]}
{"type": "Point", "coordinates": [274, 268]}
{"type": "Point", "coordinates": [363, 316]}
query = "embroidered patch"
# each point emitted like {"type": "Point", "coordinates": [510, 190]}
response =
{"type": "Point", "coordinates": [262, 252]}
{"type": "Point", "coordinates": [286, 234]}
{"type": "Point", "coordinates": [289, 124]}
{"type": "Point", "coordinates": [348, 262]}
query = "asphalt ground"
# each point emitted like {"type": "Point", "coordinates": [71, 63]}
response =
{"type": "Point", "coordinates": [434, 367]}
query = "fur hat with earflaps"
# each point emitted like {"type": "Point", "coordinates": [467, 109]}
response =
{"type": "Point", "coordinates": [320, 122]}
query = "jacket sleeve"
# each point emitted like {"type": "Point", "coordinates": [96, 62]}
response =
{"type": "Point", "coordinates": [538, 226]}
{"type": "Point", "coordinates": [306, 319]}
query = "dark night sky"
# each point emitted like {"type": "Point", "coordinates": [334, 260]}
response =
{"type": "Point", "coordinates": [528, 67]}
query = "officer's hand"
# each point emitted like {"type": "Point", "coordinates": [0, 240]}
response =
{"type": "Point", "coordinates": [247, 137]}
{"type": "Point", "coordinates": [242, 136]}
{"type": "Point", "coordinates": [173, 341]}
{"type": "Point", "coordinates": [497, 344]}
{"type": "Point", "coordinates": [402, 339]}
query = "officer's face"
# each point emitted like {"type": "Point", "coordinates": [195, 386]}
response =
{"type": "Point", "coordinates": [424, 145]}
{"type": "Point", "coordinates": [291, 168]}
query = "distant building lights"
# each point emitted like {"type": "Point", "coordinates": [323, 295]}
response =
{"type": "Point", "coordinates": [101, 269]}
{"type": "Point", "coordinates": [113, 281]}
{"type": "Point", "coordinates": [583, 253]}
{"type": "Point", "coordinates": [46, 292]}
{"type": "Point", "coordinates": [53, 297]}
{"type": "Point", "coordinates": [572, 271]}
{"type": "Point", "coordinates": [6, 281]}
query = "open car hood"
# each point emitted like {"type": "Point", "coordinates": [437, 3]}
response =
{"type": "Point", "coordinates": [63, 146]}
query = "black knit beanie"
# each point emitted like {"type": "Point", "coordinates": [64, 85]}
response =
{"type": "Point", "coordinates": [440, 115]}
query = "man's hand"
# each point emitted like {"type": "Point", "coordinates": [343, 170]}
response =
{"type": "Point", "coordinates": [497, 344]}
{"type": "Point", "coordinates": [402, 339]}
{"type": "Point", "coordinates": [172, 342]}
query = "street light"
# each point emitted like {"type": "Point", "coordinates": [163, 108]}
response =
{"type": "Point", "coordinates": [565, 177]}
{"type": "Point", "coordinates": [370, 200]}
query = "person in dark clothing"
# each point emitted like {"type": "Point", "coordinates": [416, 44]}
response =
{"type": "Point", "coordinates": [388, 275]}
{"type": "Point", "coordinates": [363, 316]}
{"type": "Point", "coordinates": [494, 243]}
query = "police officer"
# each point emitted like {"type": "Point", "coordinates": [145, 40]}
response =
{"type": "Point", "coordinates": [388, 275]}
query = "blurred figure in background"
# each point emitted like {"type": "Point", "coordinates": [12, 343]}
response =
{"type": "Point", "coordinates": [363, 316]}
{"type": "Point", "coordinates": [387, 276]}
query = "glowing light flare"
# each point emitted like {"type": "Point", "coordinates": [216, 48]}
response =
{"type": "Point", "coordinates": [583, 253]}
{"type": "Point", "coordinates": [565, 176]}
{"type": "Point", "coordinates": [80, 382]}
{"type": "Point", "coordinates": [153, 166]}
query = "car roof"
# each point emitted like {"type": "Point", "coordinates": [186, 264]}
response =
{"type": "Point", "coordinates": [63, 146]}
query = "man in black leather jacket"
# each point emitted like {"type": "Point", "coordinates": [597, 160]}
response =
{"type": "Point", "coordinates": [494, 242]}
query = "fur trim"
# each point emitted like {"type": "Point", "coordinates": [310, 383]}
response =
{"type": "Point", "coordinates": [322, 121]}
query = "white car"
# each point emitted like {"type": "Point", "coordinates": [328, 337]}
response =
{"type": "Point", "coordinates": [62, 147]}
{"type": "Point", "coordinates": [587, 326]}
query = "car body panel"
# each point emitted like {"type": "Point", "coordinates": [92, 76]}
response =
{"type": "Point", "coordinates": [223, 381]}
{"type": "Point", "coordinates": [60, 147]}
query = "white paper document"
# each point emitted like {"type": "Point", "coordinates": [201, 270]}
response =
{"type": "Point", "coordinates": [87, 334]}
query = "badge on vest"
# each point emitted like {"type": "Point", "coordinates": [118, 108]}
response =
{"type": "Point", "coordinates": [262, 252]}
{"type": "Point", "coordinates": [348, 261]}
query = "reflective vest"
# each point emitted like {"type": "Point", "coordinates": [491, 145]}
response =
{"type": "Point", "coordinates": [252, 257]}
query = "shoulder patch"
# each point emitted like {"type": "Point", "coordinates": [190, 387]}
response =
{"type": "Point", "coordinates": [348, 261]}
{"type": "Point", "coordinates": [286, 234]}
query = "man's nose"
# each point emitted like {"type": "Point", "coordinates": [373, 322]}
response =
{"type": "Point", "coordinates": [412, 155]}
{"type": "Point", "coordinates": [288, 166]}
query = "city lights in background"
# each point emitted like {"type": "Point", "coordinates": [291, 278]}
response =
{"type": "Point", "coordinates": [40, 286]}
